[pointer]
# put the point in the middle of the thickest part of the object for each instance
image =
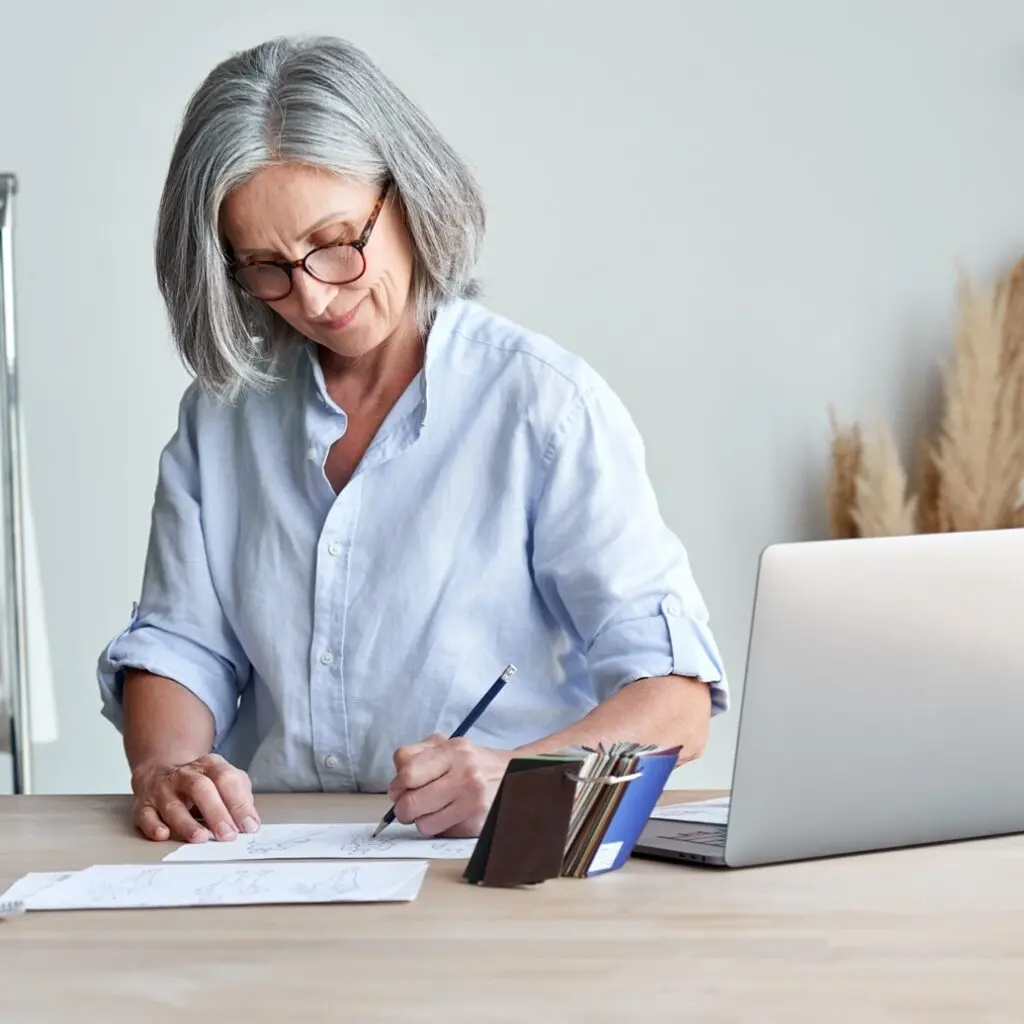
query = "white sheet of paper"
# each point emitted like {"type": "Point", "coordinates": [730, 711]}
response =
{"type": "Point", "coordinates": [32, 883]}
{"type": "Point", "coordinates": [326, 842]}
{"type": "Point", "coordinates": [708, 812]}
{"type": "Point", "coordinates": [124, 886]}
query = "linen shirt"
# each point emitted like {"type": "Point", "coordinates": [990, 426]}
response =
{"type": "Point", "coordinates": [501, 514]}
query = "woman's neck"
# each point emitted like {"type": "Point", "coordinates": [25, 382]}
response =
{"type": "Point", "coordinates": [377, 376]}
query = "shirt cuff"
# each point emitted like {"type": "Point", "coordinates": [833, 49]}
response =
{"type": "Point", "coordinates": [670, 642]}
{"type": "Point", "coordinates": [151, 649]}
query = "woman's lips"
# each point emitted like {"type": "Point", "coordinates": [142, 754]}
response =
{"type": "Point", "coordinates": [342, 321]}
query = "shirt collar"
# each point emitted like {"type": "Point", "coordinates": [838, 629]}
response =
{"type": "Point", "coordinates": [438, 339]}
{"type": "Point", "coordinates": [441, 330]}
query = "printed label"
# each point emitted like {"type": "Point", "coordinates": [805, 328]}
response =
{"type": "Point", "coordinates": [605, 857]}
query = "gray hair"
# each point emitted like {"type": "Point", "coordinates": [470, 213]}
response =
{"type": "Point", "coordinates": [319, 101]}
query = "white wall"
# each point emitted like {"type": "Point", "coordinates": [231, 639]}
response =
{"type": "Point", "coordinates": [791, 185]}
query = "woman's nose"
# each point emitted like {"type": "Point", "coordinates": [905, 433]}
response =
{"type": "Point", "coordinates": [312, 296]}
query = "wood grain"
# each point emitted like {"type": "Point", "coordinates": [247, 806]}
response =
{"type": "Point", "coordinates": [932, 934]}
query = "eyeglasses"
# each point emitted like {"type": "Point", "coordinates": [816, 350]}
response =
{"type": "Point", "coordinates": [333, 263]}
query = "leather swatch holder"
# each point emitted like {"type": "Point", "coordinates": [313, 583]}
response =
{"type": "Point", "coordinates": [530, 834]}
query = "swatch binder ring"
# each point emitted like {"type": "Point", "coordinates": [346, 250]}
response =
{"type": "Point", "coordinates": [603, 780]}
{"type": "Point", "coordinates": [11, 908]}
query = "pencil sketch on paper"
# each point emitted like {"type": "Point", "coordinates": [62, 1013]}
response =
{"type": "Point", "coordinates": [365, 845]}
{"type": "Point", "coordinates": [202, 885]}
{"type": "Point", "coordinates": [240, 884]}
{"type": "Point", "coordinates": [249, 884]}
{"type": "Point", "coordinates": [267, 843]}
{"type": "Point", "coordinates": [326, 842]}
{"type": "Point", "coordinates": [128, 888]}
{"type": "Point", "coordinates": [709, 812]}
{"type": "Point", "coordinates": [34, 882]}
{"type": "Point", "coordinates": [343, 882]}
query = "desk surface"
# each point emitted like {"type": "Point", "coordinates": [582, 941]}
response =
{"type": "Point", "coordinates": [931, 935]}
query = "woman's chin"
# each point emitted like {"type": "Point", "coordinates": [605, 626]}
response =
{"type": "Point", "coordinates": [350, 343]}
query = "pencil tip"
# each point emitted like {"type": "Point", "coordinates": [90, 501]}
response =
{"type": "Point", "coordinates": [377, 831]}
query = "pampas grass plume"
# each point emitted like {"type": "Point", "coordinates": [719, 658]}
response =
{"type": "Point", "coordinates": [970, 477]}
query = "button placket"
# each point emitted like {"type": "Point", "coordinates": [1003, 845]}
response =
{"type": "Point", "coordinates": [328, 689]}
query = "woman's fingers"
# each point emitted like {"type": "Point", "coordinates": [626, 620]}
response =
{"type": "Point", "coordinates": [425, 765]}
{"type": "Point", "coordinates": [179, 819]}
{"type": "Point", "coordinates": [149, 823]}
{"type": "Point", "coordinates": [235, 790]}
{"type": "Point", "coordinates": [202, 792]}
{"type": "Point", "coordinates": [208, 788]}
{"type": "Point", "coordinates": [444, 821]}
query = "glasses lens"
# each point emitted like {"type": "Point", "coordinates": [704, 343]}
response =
{"type": "Point", "coordinates": [264, 281]}
{"type": "Point", "coordinates": [337, 264]}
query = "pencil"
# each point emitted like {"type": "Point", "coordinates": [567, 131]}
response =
{"type": "Point", "coordinates": [463, 727]}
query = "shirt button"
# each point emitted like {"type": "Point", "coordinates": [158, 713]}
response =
{"type": "Point", "coordinates": [326, 658]}
{"type": "Point", "coordinates": [672, 606]}
{"type": "Point", "coordinates": [331, 761]}
{"type": "Point", "coordinates": [334, 548]}
{"type": "Point", "coordinates": [312, 454]}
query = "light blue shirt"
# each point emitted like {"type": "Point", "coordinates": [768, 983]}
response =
{"type": "Point", "coordinates": [501, 514]}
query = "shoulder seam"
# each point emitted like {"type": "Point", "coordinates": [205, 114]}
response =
{"type": "Point", "coordinates": [575, 382]}
{"type": "Point", "coordinates": [559, 427]}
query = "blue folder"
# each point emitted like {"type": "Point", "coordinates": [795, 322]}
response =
{"type": "Point", "coordinates": [634, 808]}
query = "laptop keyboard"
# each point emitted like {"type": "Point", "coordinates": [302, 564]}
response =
{"type": "Point", "coordinates": [706, 837]}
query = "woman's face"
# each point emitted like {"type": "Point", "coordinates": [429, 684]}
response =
{"type": "Point", "coordinates": [287, 209]}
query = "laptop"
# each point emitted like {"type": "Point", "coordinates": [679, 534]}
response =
{"type": "Point", "coordinates": [882, 706]}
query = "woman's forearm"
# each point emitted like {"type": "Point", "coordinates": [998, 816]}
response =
{"type": "Point", "coordinates": [164, 723]}
{"type": "Point", "coordinates": [667, 711]}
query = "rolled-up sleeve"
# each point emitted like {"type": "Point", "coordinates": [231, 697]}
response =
{"type": "Point", "coordinates": [608, 566]}
{"type": "Point", "coordinates": [178, 628]}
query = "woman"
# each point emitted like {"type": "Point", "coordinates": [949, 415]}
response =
{"type": "Point", "coordinates": [379, 493]}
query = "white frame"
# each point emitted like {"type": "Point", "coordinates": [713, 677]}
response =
{"type": "Point", "coordinates": [14, 680]}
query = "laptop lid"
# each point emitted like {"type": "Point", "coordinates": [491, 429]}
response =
{"type": "Point", "coordinates": [883, 703]}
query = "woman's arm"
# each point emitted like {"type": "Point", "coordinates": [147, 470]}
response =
{"type": "Point", "coordinates": [619, 583]}
{"type": "Point", "coordinates": [171, 681]}
{"type": "Point", "coordinates": [168, 738]}
{"type": "Point", "coordinates": [668, 711]}
{"type": "Point", "coordinates": [446, 786]}
{"type": "Point", "coordinates": [164, 723]}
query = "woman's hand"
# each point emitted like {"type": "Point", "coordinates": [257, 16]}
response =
{"type": "Point", "coordinates": [446, 786]}
{"type": "Point", "coordinates": [169, 797]}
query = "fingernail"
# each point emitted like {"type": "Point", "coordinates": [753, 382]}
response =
{"type": "Point", "coordinates": [225, 831]}
{"type": "Point", "coordinates": [201, 835]}
{"type": "Point", "coordinates": [250, 825]}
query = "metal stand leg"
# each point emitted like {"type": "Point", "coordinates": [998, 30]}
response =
{"type": "Point", "coordinates": [13, 643]}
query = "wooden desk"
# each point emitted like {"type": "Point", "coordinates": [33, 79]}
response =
{"type": "Point", "coordinates": [916, 935]}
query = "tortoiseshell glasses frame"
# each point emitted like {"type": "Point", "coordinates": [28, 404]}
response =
{"type": "Point", "coordinates": [332, 263]}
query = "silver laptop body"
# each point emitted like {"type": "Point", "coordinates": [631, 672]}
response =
{"type": "Point", "coordinates": [883, 704]}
